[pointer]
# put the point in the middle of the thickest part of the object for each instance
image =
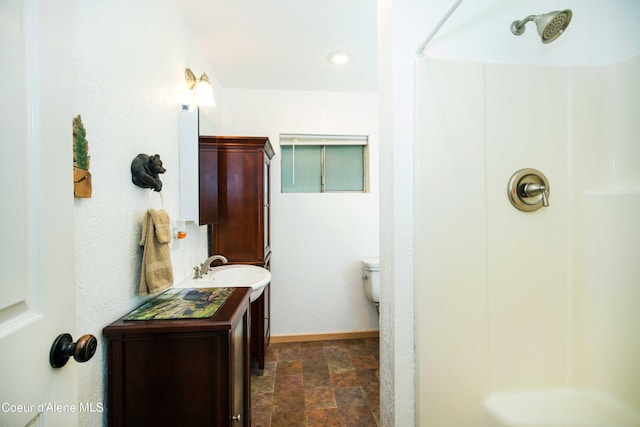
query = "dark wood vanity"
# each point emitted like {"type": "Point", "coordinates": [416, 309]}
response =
{"type": "Point", "coordinates": [196, 371]}
{"type": "Point", "coordinates": [183, 372]}
{"type": "Point", "coordinates": [235, 202]}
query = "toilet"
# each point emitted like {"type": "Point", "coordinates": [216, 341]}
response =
{"type": "Point", "coordinates": [371, 279]}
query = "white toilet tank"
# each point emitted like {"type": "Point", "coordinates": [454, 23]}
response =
{"type": "Point", "coordinates": [371, 279]}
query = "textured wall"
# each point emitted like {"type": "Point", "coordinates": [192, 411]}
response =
{"type": "Point", "coordinates": [129, 75]}
{"type": "Point", "coordinates": [399, 27]}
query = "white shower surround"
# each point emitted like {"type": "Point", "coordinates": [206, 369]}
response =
{"type": "Point", "coordinates": [514, 301]}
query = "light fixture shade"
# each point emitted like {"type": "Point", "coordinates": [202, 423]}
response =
{"type": "Point", "coordinates": [203, 92]}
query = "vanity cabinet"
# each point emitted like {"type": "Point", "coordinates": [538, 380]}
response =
{"type": "Point", "coordinates": [234, 196]}
{"type": "Point", "coordinates": [235, 177]}
{"type": "Point", "coordinates": [183, 372]}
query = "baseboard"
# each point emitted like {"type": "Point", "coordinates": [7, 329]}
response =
{"type": "Point", "coordinates": [324, 337]}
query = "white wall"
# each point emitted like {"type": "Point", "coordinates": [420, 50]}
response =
{"type": "Point", "coordinates": [398, 26]}
{"type": "Point", "coordinates": [451, 242]}
{"type": "Point", "coordinates": [129, 77]}
{"type": "Point", "coordinates": [606, 272]}
{"type": "Point", "coordinates": [317, 240]}
{"type": "Point", "coordinates": [501, 293]}
{"type": "Point", "coordinates": [500, 299]}
{"type": "Point", "coordinates": [527, 253]}
{"type": "Point", "coordinates": [601, 33]}
{"type": "Point", "coordinates": [492, 287]}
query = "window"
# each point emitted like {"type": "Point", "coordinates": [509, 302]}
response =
{"type": "Point", "coordinates": [323, 163]}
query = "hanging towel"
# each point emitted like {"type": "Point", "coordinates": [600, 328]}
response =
{"type": "Point", "coordinates": [156, 271]}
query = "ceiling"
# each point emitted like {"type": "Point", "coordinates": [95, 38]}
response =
{"type": "Point", "coordinates": [285, 44]}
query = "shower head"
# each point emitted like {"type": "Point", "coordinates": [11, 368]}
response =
{"type": "Point", "coordinates": [550, 25]}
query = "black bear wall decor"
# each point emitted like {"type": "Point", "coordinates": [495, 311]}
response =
{"type": "Point", "coordinates": [145, 170]}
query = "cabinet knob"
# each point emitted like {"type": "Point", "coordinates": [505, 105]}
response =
{"type": "Point", "coordinates": [236, 418]}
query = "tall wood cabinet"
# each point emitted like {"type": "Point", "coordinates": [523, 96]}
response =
{"type": "Point", "coordinates": [185, 372]}
{"type": "Point", "coordinates": [235, 202]}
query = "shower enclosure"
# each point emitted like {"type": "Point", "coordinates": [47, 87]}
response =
{"type": "Point", "coordinates": [527, 318]}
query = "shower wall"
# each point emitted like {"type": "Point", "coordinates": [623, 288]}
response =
{"type": "Point", "coordinates": [508, 300]}
{"type": "Point", "coordinates": [606, 286]}
{"type": "Point", "coordinates": [450, 243]}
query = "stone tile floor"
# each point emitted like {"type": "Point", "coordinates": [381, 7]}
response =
{"type": "Point", "coordinates": [319, 383]}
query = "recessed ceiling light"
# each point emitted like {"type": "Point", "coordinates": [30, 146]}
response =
{"type": "Point", "coordinates": [339, 58]}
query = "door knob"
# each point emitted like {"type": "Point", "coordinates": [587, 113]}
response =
{"type": "Point", "coordinates": [63, 348]}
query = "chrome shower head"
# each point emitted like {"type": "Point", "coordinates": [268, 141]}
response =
{"type": "Point", "coordinates": [550, 25]}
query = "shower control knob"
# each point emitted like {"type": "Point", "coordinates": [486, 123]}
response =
{"type": "Point", "coordinates": [532, 190]}
{"type": "Point", "coordinates": [528, 190]}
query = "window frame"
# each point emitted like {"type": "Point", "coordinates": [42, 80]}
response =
{"type": "Point", "coordinates": [322, 141]}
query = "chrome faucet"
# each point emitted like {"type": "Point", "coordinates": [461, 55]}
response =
{"type": "Point", "coordinates": [206, 266]}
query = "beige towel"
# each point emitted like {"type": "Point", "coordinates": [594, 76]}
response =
{"type": "Point", "coordinates": [156, 272]}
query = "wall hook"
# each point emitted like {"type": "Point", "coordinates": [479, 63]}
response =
{"type": "Point", "coordinates": [145, 170]}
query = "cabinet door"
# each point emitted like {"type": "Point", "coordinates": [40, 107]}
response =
{"type": "Point", "coordinates": [208, 180]}
{"type": "Point", "coordinates": [240, 385]}
{"type": "Point", "coordinates": [266, 184]}
{"type": "Point", "coordinates": [176, 379]}
{"type": "Point", "coordinates": [240, 234]}
{"type": "Point", "coordinates": [267, 316]}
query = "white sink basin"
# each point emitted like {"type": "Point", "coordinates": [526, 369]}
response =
{"type": "Point", "coordinates": [232, 276]}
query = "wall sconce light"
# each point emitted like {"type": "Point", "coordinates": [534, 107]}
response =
{"type": "Point", "coordinates": [201, 91]}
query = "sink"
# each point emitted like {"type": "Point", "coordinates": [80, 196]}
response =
{"type": "Point", "coordinates": [236, 275]}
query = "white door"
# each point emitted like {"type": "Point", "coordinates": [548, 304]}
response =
{"type": "Point", "coordinates": [37, 300]}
